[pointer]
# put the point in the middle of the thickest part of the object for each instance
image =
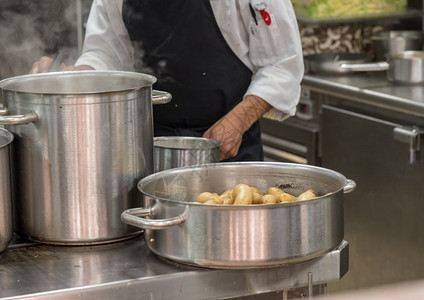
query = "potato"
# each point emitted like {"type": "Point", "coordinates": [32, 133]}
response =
{"type": "Point", "coordinates": [242, 194]}
{"type": "Point", "coordinates": [228, 192]}
{"type": "Point", "coordinates": [257, 195]}
{"type": "Point", "coordinates": [206, 196]}
{"type": "Point", "coordinates": [269, 198]}
{"type": "Point", "coordinates": [226, 199]}
{"type": "Point", "coordinates": [275, 191]}
{"type": "Point", "coordinates": [211, 201]}
{"type": "Point", "coordinates": [309, 194]}
{"type": "Point", "coordinates": [286, 197]}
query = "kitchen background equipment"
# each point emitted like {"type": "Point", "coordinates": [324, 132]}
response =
{"type": "Point", "coordinates": [382, 132]}
{"type": "Point", "coordinates": [179, 151]}
{"type": "Point", "coordinates": [396, 41]}
{"type": "Point", "coordinates": [404, 67]}
{"type": "Point", "coordinates": [295, 140]}
{"type": "Point", "coordinates": [330, 63]}
{"type": "Point", "coordinates": [6, 227]}
{"type": "Point", "coordinates": [242, 236]}
{"type": "Point", "coordinates": [88, 140]}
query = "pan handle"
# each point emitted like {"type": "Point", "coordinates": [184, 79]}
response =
{"type": "Point", "coordinates": [16, 119]}
{"type": "Point", "coordinates": [349, 187]}
{"type": "Point", "coordinates": [159, 97]}
{"type": "Point", "coordinates": [378, 66]}
{"type": "Point", "coordinates": [135, 217]}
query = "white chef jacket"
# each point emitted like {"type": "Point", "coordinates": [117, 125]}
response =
{"type": "Point", "coordinates": [272, 52]}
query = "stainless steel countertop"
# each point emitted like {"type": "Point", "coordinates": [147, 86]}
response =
{"type": "Point", "coordinates": [371, 88]}
{"type": "Point", "coordinates": [128, 270]}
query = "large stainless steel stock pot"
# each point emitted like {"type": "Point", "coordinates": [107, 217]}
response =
{"type": "Point", "coordinates": [83, 140]}
{"type": "Point", "coordinates": [240, 236]}
{"type": "Point", "coordinates": [6, 229]}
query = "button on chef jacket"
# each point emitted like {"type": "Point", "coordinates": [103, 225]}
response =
{"type": "Point", "coordinates": [241, 55]}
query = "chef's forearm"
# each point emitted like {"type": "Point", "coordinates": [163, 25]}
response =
{"type": "Point", "coordinates": [248, 111]}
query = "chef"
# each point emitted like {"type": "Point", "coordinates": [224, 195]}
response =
{"type": "Point", "coordinates": [225, 62]}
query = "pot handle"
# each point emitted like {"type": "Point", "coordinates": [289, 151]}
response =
{"type": "Point", "coordinates": [16, 119]}
{"type": "Point", "coordinates": [349, 187]}
{"type": "Point", "coordinates": [159, 97]}
{"type": "Point", "coordinates": [134, 217]}
{"type": "Point", "coordinates": [378, 66]}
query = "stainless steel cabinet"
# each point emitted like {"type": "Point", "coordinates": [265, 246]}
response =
{"type": "Point", "coordinates": [384, 216]}
{"type": "Point", "coordinates": [294, 141]}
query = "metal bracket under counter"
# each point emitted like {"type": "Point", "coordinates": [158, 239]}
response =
{"type": "Point", "coordinates": [128, 270]}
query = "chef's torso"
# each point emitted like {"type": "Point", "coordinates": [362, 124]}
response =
{"type": "Point", "coordinates": [179, 42]}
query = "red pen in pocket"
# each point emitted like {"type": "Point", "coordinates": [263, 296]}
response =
{"type": "Point", "coordinates": [265, 15]}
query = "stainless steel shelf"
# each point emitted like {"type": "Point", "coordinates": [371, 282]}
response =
{"type": "Point", "coordinates": [377, 18]}
{"type": "Point", "coordinates": [128, 270]}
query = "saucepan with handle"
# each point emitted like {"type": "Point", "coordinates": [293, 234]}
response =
{"type": "Point", "coordinates": [330, 63]}
{"type": "Point", "coordinates": [406, 67]}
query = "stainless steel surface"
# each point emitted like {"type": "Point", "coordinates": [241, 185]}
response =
{"type": "Point", "coordinates": [395, 41]}
{"type": "Point", "coordinates": [330, 63]}
{"type": "Point", "coordinates": [128, 270]}
{"type": "Point", "coordinates": [245, 236]}
{"type": "Point", "coordinates": [370, 90]}
{"type": "Point", "coordinates": [78, 163]}
{"type": "Point", "coordinates": [383, 221]}
{"type": "Point", "coordinates": [179, 151]}
{"type": "Point", "coordinates": [6, 229]}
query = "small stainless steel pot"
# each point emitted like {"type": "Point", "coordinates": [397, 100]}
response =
{"type": "Point", "coordinates": [240, 236]}
{"type": "Point", "coordinates": [180, 151]}
{"type": "Point", "coordinates": [6, 229]}
{"type": "Point", "coordinates": [404, 68]}
{"type": "Point", "coordinates": [396, 41]}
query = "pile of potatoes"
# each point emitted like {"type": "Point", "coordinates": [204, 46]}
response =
{"type": "Point", "coordinates": [243, 194]}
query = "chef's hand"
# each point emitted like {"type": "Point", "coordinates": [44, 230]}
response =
{"type": "Point", "coordinates": [43, 66]}
{"type": "Point", "coordinates": [230, 128]}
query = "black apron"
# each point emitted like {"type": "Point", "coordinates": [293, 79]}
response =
{"type": "Point", "coordinates": [179, 42]}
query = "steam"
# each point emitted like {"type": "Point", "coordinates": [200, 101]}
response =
{"type": "Point", "coordinates": [31, 29]}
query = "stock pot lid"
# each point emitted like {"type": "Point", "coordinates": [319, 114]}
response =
{"type": "Point", "coordinates": [77, 82]}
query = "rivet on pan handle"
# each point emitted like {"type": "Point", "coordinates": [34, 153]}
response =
{"type": "Point", "coordinates": [135, 217]}
{"type": "Point", "coordinates": [349, 187]}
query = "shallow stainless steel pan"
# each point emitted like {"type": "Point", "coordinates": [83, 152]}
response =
{"type": "Point", "coordinates": [405, 67]}
{"type": "Point", "coordinates": [240, 236]}
{"type": "Point", "coordinates": [330, 63]}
